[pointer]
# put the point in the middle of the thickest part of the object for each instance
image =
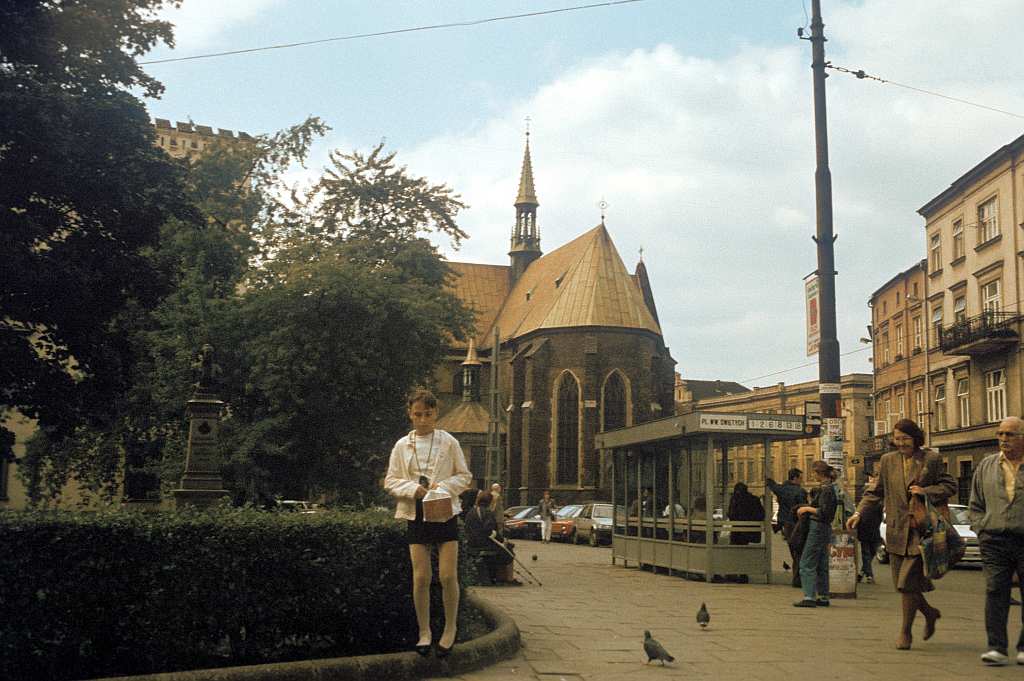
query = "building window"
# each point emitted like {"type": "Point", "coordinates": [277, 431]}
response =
{"type": "Point", "coordinates": [995, 396]}
{"type": "Point", "coordinates": [936, 253]}
{"type": "Point", "coordinates": [897, 299]}
{"type": "Point", "coordinates": [963, 401]}
{"type": "Point", "coordinates": [939, 420]}
{"type": "Point", "coordinates": [888, 410]}
{"type": "Point", "coordinates": [988, 220]}
{"type": "Point", "coordinates": [902, 405]}
{"type": "Point", "coordinates": [567, 462]}
{"type": "Point", "coordinates": [899, 340]}
{"type": "Point", "coordinates": [937, 322]}
{"type": "Point", "coordinates": [918, 330]}
{"type": "Point", "coordinates": [991, 301]}
{"type": "Point", "coordinates": [959, 309]}
{"type": "Point", "coordinates": [885, 348]}
{"type": "Point", "coordinates": [958, 239]}
{"type": "Point", "coordinates": [614, 414]}
{"type": "Point", "coordinates": [919, 405]}
{"type": "Point", "coordinates": [915, 289]}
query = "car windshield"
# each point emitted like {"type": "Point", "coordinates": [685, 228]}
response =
{"type": "Point", "coordinates": [570, 511]}
{"type": "Point", "coordinates": [602, 511]}
{"type": "Point", "coordinates": [958, 514]}
{"type": "Point", "coordinates": [525, 513]}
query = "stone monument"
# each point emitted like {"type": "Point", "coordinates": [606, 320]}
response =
{"type": "Point", "coordinates": [201, 485]}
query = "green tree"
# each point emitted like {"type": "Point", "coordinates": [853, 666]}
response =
{"type": "Point", "coordinates": [82, 201]}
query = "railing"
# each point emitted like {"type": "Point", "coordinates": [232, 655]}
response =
{"type": "Point", "coordinates": [987, 325]}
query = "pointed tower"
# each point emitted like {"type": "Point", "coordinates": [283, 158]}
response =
{"type": "Point", "coordinates": [471, 375]}
{"type": "Point", "coordinates": [525, 235]}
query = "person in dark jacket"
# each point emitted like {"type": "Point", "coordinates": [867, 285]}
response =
{"type": "Point", "coordinates": [791, 496]}
{"type": "Point", "coordinates": [480, 526]}
{"type": "Point", "coordinates": [869, 536]}
{"type": "Point", "coordinates": [744, 506]}
{"type": "Point", "coordinates": [814, 561]}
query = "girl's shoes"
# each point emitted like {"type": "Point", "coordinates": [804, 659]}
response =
{"type": "Point", "coordinates": [423, 650]}
{"type": "Point", "coordinates": [443, 652]}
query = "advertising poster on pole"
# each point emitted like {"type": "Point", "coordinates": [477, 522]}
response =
{"type": "Point", "coordinates": [813, 306]}
{"type": "Point", "coordinates": [832, 442]}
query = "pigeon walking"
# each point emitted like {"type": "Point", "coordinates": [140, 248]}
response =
{"type": "Point", "coordinates": [703, 616]}
{"type": "Point", "coordinates": [655, 651]}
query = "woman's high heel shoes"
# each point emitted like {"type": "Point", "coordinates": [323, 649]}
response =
{"type": "Point", "coordinates": [443, 652]}
{"type": "Point", "coordinates": [423, 651]}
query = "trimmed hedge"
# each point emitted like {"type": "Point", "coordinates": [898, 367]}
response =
{"type": "Point", "coordinates": [112, 593]}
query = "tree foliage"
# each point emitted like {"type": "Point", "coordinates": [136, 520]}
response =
{"type": "Point", "coordinates": [82, 201]}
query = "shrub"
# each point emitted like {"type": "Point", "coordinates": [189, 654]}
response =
{"type": "Point", "coordinates": [95, 594]}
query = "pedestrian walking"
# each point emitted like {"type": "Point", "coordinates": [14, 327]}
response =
{"type": "Point", "coordinates": [996, 510]}
{"type": "Point", "coordinates": [814, 560]}
{"type": "Point", "coordinates": [869, 537]}
{"type": "Point", "coordinates": [429, 459]}
{"type": "Point", "coordinates": [547, 514]}
{"type": "Point", "coordinates": [902, 474]}
{"type": "Point", "coordinates": [791, 496]}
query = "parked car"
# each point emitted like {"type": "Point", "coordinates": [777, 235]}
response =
{"type": "Point", "coordinates": [563, 527]}
{"type": "Point", "coordinates": [298, 506]}
{"type": "Point", "coordinates": [524, 525]}
{"type": "Point", "coordinates": [957, 514]}
{"type": "Point", "coordinates": [512, 510]}
{"type": "Point", "coordinates": [594, 524]}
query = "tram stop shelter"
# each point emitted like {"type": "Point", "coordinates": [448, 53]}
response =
{"type": "Point", "coordinates": [671, 491]}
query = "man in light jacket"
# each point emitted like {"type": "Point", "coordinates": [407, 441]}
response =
{"type": "Point", "coordinates": [996, 510]}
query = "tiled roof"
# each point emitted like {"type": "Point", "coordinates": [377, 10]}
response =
{"type": "Point", "coordinates": [467, 417]}
{"type": "Point", "coordinates": [583, 283]}
{"type": "Point", "coordinates": [483, 288]}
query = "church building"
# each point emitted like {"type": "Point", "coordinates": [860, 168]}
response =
{"type": "Point", "coordinates": [580, 350]}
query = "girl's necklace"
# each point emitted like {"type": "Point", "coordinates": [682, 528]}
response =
{"type": "Point", "coordinates": [430, 454]}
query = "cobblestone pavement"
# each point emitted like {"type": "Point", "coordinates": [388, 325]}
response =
{"type": "Point", "coordinates": [588, 618]}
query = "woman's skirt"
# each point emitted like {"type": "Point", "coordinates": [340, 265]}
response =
{"type": "Point", "coordinates": [908, 574]}
{"type": "Point", "coordinates": [419, 532]}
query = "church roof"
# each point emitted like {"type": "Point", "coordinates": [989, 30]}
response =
{"type": "Point", "coordinates": [483, 288]}
{"type": "Point", "coordinates": [583, 283]}
{"type": "Point", "coordinates": [467, 417]}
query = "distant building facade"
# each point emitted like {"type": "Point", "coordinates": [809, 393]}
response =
{"type": "Point", "coordinates": [746, 463]}
{"type": "Point", "coordinates": [182, 140]}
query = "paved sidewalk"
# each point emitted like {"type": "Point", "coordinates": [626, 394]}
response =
{"type": "Point", "coordinates": [587, 622]}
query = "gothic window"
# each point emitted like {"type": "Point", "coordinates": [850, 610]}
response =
{"type": "Point", "coordinates": [567, 437]}
{"type": "Point", "coordinates": [614, 402]}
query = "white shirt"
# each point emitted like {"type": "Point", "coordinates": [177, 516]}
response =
{"type": "Point", "coordinates": [445, 465]}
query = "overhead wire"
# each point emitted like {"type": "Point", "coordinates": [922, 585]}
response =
{"type": "Point", "coordinates": [861, 75]}
{"type": "Point", "coordinates": [397, 31]}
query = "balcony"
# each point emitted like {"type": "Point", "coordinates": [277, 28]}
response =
{"type": "Point", "coordinates": [984, 334]}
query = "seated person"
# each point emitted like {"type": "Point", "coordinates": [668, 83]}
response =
{"type": "Point", "coordinates": [480, 525]}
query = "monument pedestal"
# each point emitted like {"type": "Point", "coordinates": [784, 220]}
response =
{"type": "Point", "coordinates": [201, 485]}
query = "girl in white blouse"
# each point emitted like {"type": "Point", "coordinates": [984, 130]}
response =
{"type": "Point", "coordinates": [429, 459]}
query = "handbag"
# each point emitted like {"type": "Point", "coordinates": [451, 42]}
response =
{"type": "Point", "coordinates": [437, 506]}
{"type": "Point", "coordinates": [942, 547]}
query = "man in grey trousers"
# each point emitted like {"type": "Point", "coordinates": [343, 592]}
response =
{"type": "Point", "coordinates": [997, 515]}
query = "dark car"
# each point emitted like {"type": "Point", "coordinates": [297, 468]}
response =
{"type": "Point", "coordinates": [594, 524]}
{"type": "Point", "coordinates": [524, 525]}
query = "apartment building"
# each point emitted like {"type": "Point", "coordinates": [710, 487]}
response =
{"type": "Point", "coordinates": [746, 463]}
{"type": "Point", "coordinates": [899, 337]}
{"type": "Point", "coordinates": [974, 375]}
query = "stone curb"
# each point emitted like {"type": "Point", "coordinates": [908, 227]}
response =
{"type": "Point", "coordinates": [500, 643]}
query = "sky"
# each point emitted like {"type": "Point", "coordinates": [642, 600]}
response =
{"type": "Point", "coordinates": [692, 120]}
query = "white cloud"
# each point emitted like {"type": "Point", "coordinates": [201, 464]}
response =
{"type": "Point", "coordinates": [708, 165]}
{"type": "Point", "coordinates": [197, 23]}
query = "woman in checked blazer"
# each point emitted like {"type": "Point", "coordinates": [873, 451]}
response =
{"type": "Point", "coordinates": [908, 471]}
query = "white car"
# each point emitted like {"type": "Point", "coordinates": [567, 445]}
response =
{"type": "Point", "coordinates": [958, 514]}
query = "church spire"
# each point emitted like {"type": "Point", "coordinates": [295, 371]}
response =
{"type": "Point", "coordinates": [525, 246]}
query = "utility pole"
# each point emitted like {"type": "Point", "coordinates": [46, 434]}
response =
{"type": "Point", "coordinates": [828, 353]}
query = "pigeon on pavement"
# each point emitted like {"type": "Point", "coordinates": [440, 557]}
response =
{"type": "Point", "coordinates": [655, 651]}
{"type": "Point", "coordinates": [703, 616]}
